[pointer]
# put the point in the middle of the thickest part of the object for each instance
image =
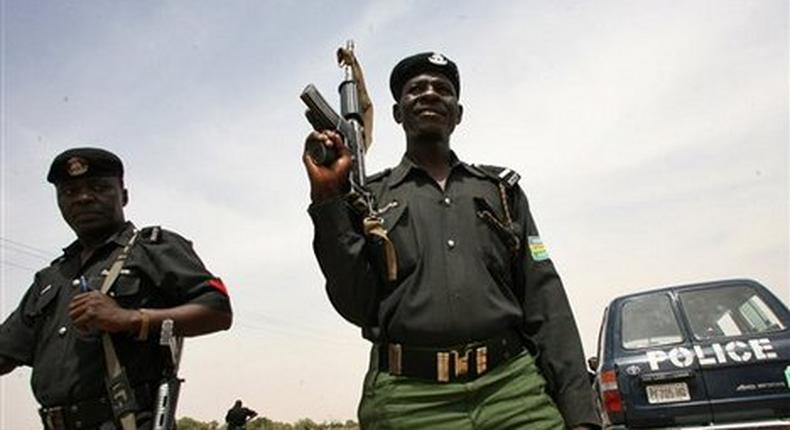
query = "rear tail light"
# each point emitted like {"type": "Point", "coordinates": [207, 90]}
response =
{"type": "Point", "coordinates": [610, 395]}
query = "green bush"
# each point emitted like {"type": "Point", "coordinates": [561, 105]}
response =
{"type": "Point", "coordinates": [263, 423]}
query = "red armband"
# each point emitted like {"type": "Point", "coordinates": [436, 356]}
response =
{"type": "Point", "coordinates": [217, 284]}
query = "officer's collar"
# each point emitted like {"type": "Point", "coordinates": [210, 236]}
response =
{"type": "Point", "coordinates": [120, 237]}
{"type": "Point", "coordinates": [402, 170]}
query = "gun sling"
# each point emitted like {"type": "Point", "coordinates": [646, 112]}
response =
{"type": "Point", "coordinates": [120, 393]}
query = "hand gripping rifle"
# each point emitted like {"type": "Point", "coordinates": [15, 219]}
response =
{"type": "Point", "coordinates": [354, 123]}
{"type": "Point", "coordinates": [170, 386]}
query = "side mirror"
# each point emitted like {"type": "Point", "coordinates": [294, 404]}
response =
{"type": "Point", "coordinates": [592, 363]}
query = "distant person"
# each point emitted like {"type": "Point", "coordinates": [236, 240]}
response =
{"type": "Point", "coordinates": [473, 330]}
{"type": "Point", "coordinates": [238, 415]}
{"type": "Point", "coordinates": [58, 329]}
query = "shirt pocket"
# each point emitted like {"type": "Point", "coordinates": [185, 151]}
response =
{"type": "Point", "coordinates": [41, 314]}
{"type": "Point", "coordinates": [44, 303]}
{"type": "Point", "coordinates": [498, 241]}
{"type": "Point", "coordinates": [400, 230]}
{"type": "Point", "coordinates": [126, 289]}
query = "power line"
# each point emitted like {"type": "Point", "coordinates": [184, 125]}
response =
{"type": "Point", "coordinates": [270, 320]}
{"type": "Point", "coordinates": [290, 334]}
{"type": "Point", "coordinates": [43, 252]}
{"type": "Point", "coordinates": [18, 266]}
{"type": "Point", "coordinates": [20, 250]}
{"type": "Point", "coordinates": [255, 320]}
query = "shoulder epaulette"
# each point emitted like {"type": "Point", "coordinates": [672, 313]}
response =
{"type": "Point", "coordinates": [379, 175]}
{"type": "Point", "coordinates": [508, 176]}
{"type": "Point", "coordinates": [151, 234]}
{"type": "Point", "coordinates": [60, 259]}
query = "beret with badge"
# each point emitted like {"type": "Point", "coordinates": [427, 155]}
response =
{"type": "Point", "coordinates": [79, 163]}
{"type": "Point", "coordinates": [412, 66]}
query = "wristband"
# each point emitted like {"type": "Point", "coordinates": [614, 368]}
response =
{"type": "Point", "coordinates": [145, 324]}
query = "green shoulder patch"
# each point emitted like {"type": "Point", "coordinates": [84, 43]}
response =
{"type": "Point", "coordinates": [537, 249]}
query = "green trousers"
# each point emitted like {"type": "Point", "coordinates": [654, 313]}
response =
{"type": "Point", "coordinates": [510, 396]}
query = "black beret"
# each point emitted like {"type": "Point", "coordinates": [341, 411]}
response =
{"type": "Point", "coordinates": [410, 67]}
{"type": "Point", "coordinates": [84, 163]}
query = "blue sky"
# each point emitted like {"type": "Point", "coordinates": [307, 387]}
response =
{"type": "Point", "coordinates": [652, 138]}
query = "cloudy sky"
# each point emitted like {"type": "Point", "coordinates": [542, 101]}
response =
{"type": "Point", "coordinates": [652, 138]}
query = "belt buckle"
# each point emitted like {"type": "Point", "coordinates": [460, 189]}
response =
{"type": "Point", "coordinates": [443, 366]}
{"type": "Point", "coordinates": [461, 362]}
{"type": "Point", "coordinates": [394, 358]}
{"type": "Point", "coordinates": [54, 418]}
{"type": "Point", "coordinates": [481, 360]}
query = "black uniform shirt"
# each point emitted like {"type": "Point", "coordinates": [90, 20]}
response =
{"type": "Point", "coordinates": [456, 279]}
{"type": "Point", "coordinates": [68, 366]}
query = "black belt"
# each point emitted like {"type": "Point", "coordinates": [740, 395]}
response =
{"type": "Point", "coordinates": [88, 413]}
{"type": "Point", "coordinates": [451, 364]}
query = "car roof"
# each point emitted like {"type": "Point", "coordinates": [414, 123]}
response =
{"type": "Point", "coordinates": [688, 287]}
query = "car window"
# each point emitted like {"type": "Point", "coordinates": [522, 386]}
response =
{"type": "Point", "coordinates": [728, 312]}
{"type": "Point", "coordinates": [649, 321]}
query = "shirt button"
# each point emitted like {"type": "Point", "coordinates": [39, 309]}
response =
{"type": "Point", "coordinates": [447, 201]}
{"type": "Point", "coordinates": [451, 244]}
{"type": "Point", "coordinates": [62, 331]}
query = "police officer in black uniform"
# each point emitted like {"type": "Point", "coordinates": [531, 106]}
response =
{"type": "Point", "coordinates": [58, 327]}
{"type": "Point", "coordinates": [477, 306]}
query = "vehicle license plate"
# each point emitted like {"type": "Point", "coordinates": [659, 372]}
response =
{"type": "Point", "coordinates": [665, 393]}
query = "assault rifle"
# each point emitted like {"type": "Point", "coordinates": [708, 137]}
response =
{"type": "Point", "coordinates": [170, 386]}
{"type": "Point", "coordinates": [354, 123]}
{"type": "Point", "coordinates": [349, 123]}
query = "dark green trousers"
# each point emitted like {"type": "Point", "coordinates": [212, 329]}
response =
{"type": "Point", "coordinates": [510, 396]}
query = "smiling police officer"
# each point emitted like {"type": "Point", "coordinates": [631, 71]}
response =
{"type": "Point", "coordinates": [476, 300]}
{"type": "Point", "coordinates": [65, 323]}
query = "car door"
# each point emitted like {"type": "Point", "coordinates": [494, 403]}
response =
{"type": "Point", "coordinates": [658, 375]}
{"type": "Point", "coordinates": [742, 343]}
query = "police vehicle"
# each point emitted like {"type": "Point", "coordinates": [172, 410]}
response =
{"type": "Point", "coordinates": [713, 356]}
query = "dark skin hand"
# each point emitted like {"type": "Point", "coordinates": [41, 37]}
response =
{"type": "Point", "coordinates": [328, 182]}
{"type": "Point", "coordinates": [428, 110]}
{"type": "Point", "coordinates": [96, 311]}
{"type": "Point", "coordinates": [93, 208]}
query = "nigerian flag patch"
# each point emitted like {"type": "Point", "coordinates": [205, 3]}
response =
{"type": "Point", "coordinates": [537, 249]}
